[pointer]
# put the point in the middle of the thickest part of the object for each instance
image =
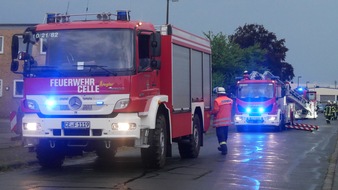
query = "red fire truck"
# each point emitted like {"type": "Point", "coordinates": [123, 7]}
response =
{"type": "Point", "coordinates": [100, 83]}
{"type": "Point", "coordinates": [261, 101]}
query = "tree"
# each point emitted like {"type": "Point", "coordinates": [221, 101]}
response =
{"type": "Point", "coordinates": [229, 60]}
{"type": "Point", "coordinates": [252, 35]}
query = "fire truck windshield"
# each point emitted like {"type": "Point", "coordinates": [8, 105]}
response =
{"type": "Point", "coordinates": [255, 91]}
{"type": "Point", "coordinates": [94, 52]}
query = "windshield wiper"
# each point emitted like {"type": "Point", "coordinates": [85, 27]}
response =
{"type": "Point", "coordinates": [100, 67]}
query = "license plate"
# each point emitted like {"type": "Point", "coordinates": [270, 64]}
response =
{"type": "Point", "coordinates": [76, 124]}
{"type": "Point", "coordinates": [255, 118]}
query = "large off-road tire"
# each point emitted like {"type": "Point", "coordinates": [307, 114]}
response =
{"type": "Point", "coordinates": [190, 148]}
{"type": "Point", "coordinates": [240, 128]}
{"type": "Point", "coordinates": [49, 157]}
{"type": "Point", "coordinates": [281, 126]}
{"type": "Point", "coordinates": [155, 155]}
{"type": "Point", "coordinates": [106, 153]}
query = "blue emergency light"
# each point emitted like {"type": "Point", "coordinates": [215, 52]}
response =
{"type": "Point", "coordinates": [52, 18]}
{"type": "Point", "coordinates": [254, 110]}
{"type": "Point", "coordinates": [300, 89]}
{"type": "Point", "coordinates": [123, 15]}
{"type": "Point", "coordinates": [248, 110]}
{"type": "Point", "coordinates": [261, 110]}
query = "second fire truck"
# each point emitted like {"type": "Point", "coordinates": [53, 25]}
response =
{"type": "Point", "coordinates": [264, 100]}
{"type": "Point", "coordinates": [260, 101]}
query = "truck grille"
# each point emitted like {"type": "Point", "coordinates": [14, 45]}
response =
{"type": "Point", "coordinates": [78, 132]}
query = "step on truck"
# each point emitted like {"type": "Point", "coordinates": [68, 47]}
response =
{"type": "Point", "coordinates": [97, 84]}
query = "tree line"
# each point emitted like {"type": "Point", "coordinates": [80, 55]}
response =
{"type": "Point", "coordinates": [250, 48]}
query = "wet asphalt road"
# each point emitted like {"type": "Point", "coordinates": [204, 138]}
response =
{"type": "Point", "coordinates": [261, 159]}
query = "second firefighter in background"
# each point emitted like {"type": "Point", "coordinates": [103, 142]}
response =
{"type": "Point", "coordinates": [330, 112]}
{"type": "Point", "coordinates": [222, 118]}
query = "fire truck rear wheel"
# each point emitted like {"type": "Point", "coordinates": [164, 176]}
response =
{"type": "Point", "coordinates": [50, 157]}
{"type": "Point", "coordinates": [190, 148]}
{"type": "Point", "coordinates": [155, 155]}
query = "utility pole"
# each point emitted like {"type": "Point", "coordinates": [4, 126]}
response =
{"type": "Point", "coordinates": [298, 80]}
{"type": "Point", "coordinates": [167, 17]}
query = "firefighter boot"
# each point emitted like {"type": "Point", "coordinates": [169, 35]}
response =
{"type": "Point", "coordinates": [223, 148]}
{"type": "Point", "coordinates": [328, 121]}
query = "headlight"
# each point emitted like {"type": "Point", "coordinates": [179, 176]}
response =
{"type": "Point", "coordinates": [272, 118]}
{"type": "Point", "coordinates": [32, 126]}
{"type": "Point", "coordinates": [121, 104]}
{"type": "Point", "coordinates": [50, 103]}
{"type": "Point", "coordinates": [123, 126]}
{"type": "Point", "coordinates": [238, 118]}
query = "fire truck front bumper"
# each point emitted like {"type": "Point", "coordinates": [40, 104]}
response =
{"type": "Point", "coordinates": [247, 120]}
{"type": "Point", "coordinates": [123, 126]}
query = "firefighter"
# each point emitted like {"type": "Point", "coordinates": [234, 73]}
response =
{"type": "Point", "coordinates": [335, 110]}
{"type": "Point", "coordinates": [328, 111]}
{"type": "Point", "coordinates": [222, 118]}
{"type": "Point", "coordinates": [246, 75]}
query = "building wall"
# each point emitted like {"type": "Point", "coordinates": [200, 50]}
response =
{"type": "Point", "coordinates": [8, 102]}
{"type": "Point", "coordinates": [325, 94]}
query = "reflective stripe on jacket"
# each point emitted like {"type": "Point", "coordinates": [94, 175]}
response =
{"type": "Point", "coordinates": [328, 110]}
{"type": "Point", "coordinates": [222, 111]}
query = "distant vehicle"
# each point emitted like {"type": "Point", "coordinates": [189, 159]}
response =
{"type": "Point", "coordinates": [320, 108]}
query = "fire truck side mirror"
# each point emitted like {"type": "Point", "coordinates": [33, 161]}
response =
{"type": "Point", "coordinates": [15, 46]}
{"type": "Point", "coordinates": [28, 35]}
{"type": "Point", "coordinates": [156, 44]}
{"type": "Point", "coordinates": [14, 66]}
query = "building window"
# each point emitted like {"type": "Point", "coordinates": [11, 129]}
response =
{"type": "Point", "coordinates": [1, 87]}
{"type": "Point", "coordinates": [1, 44]}
{"type": "Point", "coordinates": [18, 88]}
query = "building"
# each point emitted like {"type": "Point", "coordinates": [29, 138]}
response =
{"type": "Point", "coordinates": [11, 86]}
{"type": "Point", "coordinates": [324, 94]}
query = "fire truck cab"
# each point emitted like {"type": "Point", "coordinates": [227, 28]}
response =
{"type": "Point", "coordinates": [96, 84]}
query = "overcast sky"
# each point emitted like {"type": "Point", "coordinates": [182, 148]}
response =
{"type": "Point", "coordinates": [310, 27]}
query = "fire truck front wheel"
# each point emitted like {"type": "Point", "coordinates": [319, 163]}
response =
{"type": "Point", "coordinates": [155, 155]}
{"type": "Point", "coordinates": [50, 154]}
{"type": "Point", "coordinates": [190, 148]}
{"type": "Point", "coordinates": [106, 150]}
{"type": "Point", "coordinates": [281, 125]}
{"type": "Point", "coordinates": [240, 128]}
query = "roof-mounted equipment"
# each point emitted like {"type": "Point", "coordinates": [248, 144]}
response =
{"type": "Point", "coordinates": [123, 15]}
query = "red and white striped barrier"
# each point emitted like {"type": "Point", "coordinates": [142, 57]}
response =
{"type": "Point", "coordinates": [316, 127]}
{"type": "Point", "coordinates": [301, 126]}
{"type": "Point", "coordinates": [13, 121]}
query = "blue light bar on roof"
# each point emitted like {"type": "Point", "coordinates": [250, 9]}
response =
{"type": "Point", "coordinates": [52, 17]}
{"type": "Point", "coordinates": [123, 15]}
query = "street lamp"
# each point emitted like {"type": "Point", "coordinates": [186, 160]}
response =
{"type": "Point", "coordinates": [167, 21]}
{"type": "Point", "coordinates": [298, 80]}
